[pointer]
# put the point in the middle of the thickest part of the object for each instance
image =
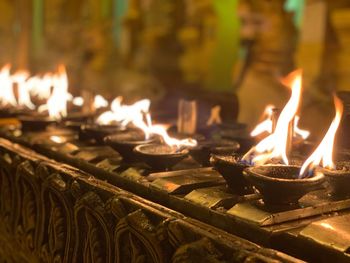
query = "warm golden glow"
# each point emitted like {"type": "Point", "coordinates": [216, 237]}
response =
{"type": "Point", "coordinates": [100, 102]}
{"type": "Point", "coordinates": [7, 96]}
{"type": "Point", "coordinates": [275, 145]}
{"type": "Point", "coordinates": [304, 134]}
{"type": "Point", "coordinates": [58, 139]}
{"type": "Point", "coordinates": [40, 87]}
{"type": "Point", "coordinates": [20, 78]}
{"type": "Point", "coordinates": [161, 130]}
{"type": "Point", "coordinates": [125, 114]}
{"type": "Point", "coordinates": [78, 101]}
{"type": "Point", "coordinates": [323, 153]}
{"type": "Point", "coordinates": [57, 103]}
{"type": "Point", "coordinates": [266, 125]}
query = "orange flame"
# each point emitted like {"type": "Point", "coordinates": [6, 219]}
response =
{"type": "Point", "coordinates": [7, 96]}
{"type": "Point", "coordinates": [41, 86]}
{"type": "Point", "coordinates": [299, 132]}
{"type": "Point", "coordinates": [266, 125]}
{"type": "Point", "coordinates": [100, 102]}
{"type": "Point", "coordinates": [78, 101]}
{"type": "Point", "coordinates": [125, 114]}
{"type": "Point", "coordinates": [57, 103]}
{"type": "Point", "coordinates": [138, 115]}
{"type": "Point", "coordinates": [20, 78]}
{"type": "Point", "coordinates": [323, 153]}
{"type": "Point", "coordinates": [275, 145]}
{"type": "Point", "coordinates": [161, 130]}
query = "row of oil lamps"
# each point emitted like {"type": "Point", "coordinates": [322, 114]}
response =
{"type": "Point", "coordinates": [129, 130]}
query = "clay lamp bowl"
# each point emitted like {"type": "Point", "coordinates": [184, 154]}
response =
{"type": "Point", "coordinates": [73, 125]}
{"type": "Point", "coordinates": [160, 157]}
{"type": "Point", "coordinates": [35, 122]}
{"type": "Point", "coordinates": [98, 132]}
{"type": "Point", "coordinates": [202, 152]}
{"type": "Point", "coordinates": [8, 112]}
{"type": "Point", "coordinates": [231, 168]}
{"type": "Point", "coordinates": [338, 180]}
{"type": "Point", "coordinates": [280, 184]}
{"type": "Point", "coordinates": [125, 142]}
{"type": "Point", "coordinates": [78, 117]}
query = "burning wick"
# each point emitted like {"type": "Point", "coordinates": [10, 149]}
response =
{"type": "Point", "coordinates": [323, 153]}
{"type": "Point", "coordinates": [276, 144]}
{"type": "Point", "coordinates": [138, 115]}
{"type": "Point", "coordinates": [161, 130]}
{"type": "Point", "coordinates": [268, 124]}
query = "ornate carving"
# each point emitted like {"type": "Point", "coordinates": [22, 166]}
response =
{"type": "Point", "coordinates": [138, 240]}
{"type": "Point", "coordinates": [57, 235]}
{"type": "Point", "coordinates": [61, 215]}
{"type": "Point", "coordinates": [202, 250]}
{"type": "Point", "coordinates": [28, 204]}
{"type": "Point", "coordinates": [93, 228]}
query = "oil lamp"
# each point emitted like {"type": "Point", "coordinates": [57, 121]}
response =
{"type": "Point", "coordinates": [167, 153]}
{"type": "Point", "coordinates": [281, 183]}
{"type": "Point", "coordinates": [321, 160]}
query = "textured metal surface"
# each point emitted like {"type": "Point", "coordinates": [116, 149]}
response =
{"type": "Point", "coordinates": [332, 232]}
{"type": "Point", "coordinates": [265, 216]}
{"type": "Point", "coordinates": [51, 212]}
{"type": "Point", "coordinates": [183, 184]}
{"type": "Point", "coordinates": [280, 234]}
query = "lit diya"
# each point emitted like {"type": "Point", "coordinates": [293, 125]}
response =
{"type": "Point", "coordinates": [163, 156]}
{"type": "Point", "coordinates": [160, 156]}
{"type": "Point", "coordinates": [125, 142]}
{"type": "Point", "coordinates": [280, 183]}
{"type": "Point", "coordinates": [338, 174]}
{"type": "Point", "coordinates": [56, 106]}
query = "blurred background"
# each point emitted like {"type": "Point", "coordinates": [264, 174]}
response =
{"type": "Point", "coordinates": [231, 53]}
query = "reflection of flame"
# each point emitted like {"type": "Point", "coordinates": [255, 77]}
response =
{"type": "Point", "coordinates": [23, 89]}
{"type": "Point", "coordinates": [323, 153]}
{"type": "Point", "coordinates": [58, 139]}
{"type": "Point", "coordinates": [266, 125]}
{"type": "Point", "coordinates": [7, 96]}
{"type": "Point", "coordinates": [275, 145]}
{"type": "Point", "coordinates": [57, 103]}
{"type": "Point", "coordinates": [100, 102]}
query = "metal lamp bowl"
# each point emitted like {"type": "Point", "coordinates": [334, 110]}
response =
{"type": "Point", "coordinates": [338, 181]}
{"type": "Point", "coordinates": [202, 152]}
{"type": "Point", "coordinates": [35, 123]}
{"type": "Point", "coordinates": [280, 184]}
{"type": "Point", "coordinates": [232, 170]}
{"type": "Point", "coordinates": [125, 142]}
{"type": "Point", "coordinates": [160, 156]}
{"type": "Point", "coordinates": [98, 132]}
